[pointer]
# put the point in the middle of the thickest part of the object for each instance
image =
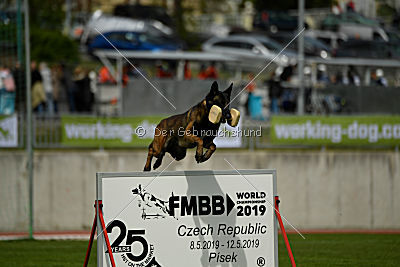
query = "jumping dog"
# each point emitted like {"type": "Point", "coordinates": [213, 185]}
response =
{"type": "Point", "coordinates": [197, 127]}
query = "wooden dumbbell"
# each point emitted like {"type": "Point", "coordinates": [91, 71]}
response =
{"type": "Point", "coordinates": [215, 114]}
{"type": "Point", "coordinates": [235, 114]}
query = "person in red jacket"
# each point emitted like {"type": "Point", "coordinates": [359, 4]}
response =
{"type": "Point", "coordinates": [211, 71]}
{"type": "Point", "coordinates": [351, 7]}
{"type": "Point", "coordinates": [105, 75]}
{"type": "Point", "coordinates": [187, 71]}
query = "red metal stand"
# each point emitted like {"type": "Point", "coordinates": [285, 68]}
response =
{"type": "Point", "coordinates": [98, 205]}
{"type": "Point", "coordinates": [278, 215]}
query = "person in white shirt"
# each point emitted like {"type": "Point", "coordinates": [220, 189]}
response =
{"type": "Point", "coordinates": [48, 87]}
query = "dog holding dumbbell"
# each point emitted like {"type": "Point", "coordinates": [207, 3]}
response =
{"type": "Point", "coordinates": [197, 127]}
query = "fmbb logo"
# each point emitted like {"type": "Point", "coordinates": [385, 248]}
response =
{"type": "Point", "coordinates": [200, 205]}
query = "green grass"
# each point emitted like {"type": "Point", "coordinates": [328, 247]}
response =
{"type": "Point", "coordinates": [343, 250]}
{"type": "Point", "coordinates": [315, 250]}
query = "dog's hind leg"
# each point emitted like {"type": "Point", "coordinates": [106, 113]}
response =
{"type": "Point", "coordinates": [211, 149]}
{"type": "Point", "coordinates": [147, 167]}
{"type": "Point", "coordinates": [189, 136]}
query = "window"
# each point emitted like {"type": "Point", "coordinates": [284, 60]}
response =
{"type": "Point", "coordinates": [228, 44]}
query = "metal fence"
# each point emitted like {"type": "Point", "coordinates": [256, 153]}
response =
{"type": "Point", "coordinates": [47, 131]}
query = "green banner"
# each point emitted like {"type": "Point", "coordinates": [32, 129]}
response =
{"type": "Point", "coordinates": [108, 132]}
{"type": "Point", "coordinates": [335, 130]}
{"type": "Point", "coordinates": [8, 130]}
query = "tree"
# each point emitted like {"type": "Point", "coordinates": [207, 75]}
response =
{"type": "Point", "coordinates": [47, 41]}
{"type": "Point", "coordinates": [47, 15]}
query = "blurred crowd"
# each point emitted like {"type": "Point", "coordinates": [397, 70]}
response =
{"type": "Point", "coordinates": [279, 93]}
{"type": "Point", "coordinates": [162, 70]}
{"type": "Point", "coordinates": [49, 82]}
{"type": "Point", "coordinates": [76, 86]}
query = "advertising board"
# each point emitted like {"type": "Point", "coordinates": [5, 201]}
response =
{"type": "Point", "coordinates": [335, 130]}
{"type": "Point", "coordinates": [192, 218]}
{"type": "Point", "coordinates": [88, 131]}
{"type": "Point", "coordinates": [85, 131]}
{"type": "Point", "coordinates": [9, 131]}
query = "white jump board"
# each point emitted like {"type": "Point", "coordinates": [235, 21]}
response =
{"type": "Point", "coordinates": [194, 218]}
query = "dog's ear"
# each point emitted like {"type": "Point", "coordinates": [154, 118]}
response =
{"type": "Point", "coordinates": [228, 91]}
{"type": "Point", "coordinates": [214, 88]}
{"type": "Point", "coordinates": [213, 92]}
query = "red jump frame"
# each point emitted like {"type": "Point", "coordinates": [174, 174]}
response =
{"type": "Point", "coordinates": [98, 205]}
{"type": "Point", "coordinates": [278, 215]}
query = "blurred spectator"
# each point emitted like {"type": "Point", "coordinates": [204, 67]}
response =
{"type": "Point", "coordinates": [250, 90]}
{"type": "Point", "coordinates": [7, 91]}
{"type": "Point", "coordinates": [288, 97]}
{"type": "Point", "coordinates": [69, 86]}
{"type": "Point", "coordinates": [337, 78]}
{"type": "Point", "coordinates": [38, 93]}
{"type": "Point", "coordinates": [336, 9]}
{"type": "Point", "coordinates": [105, 76]}
{"type": "Point", "coordinates": [202, 72]}
{"type": "Point", "coordinates": [254, 104]}
{"type": "Point", "coordinates": [45, 72]}
{"type": "Point", "coordinates": [287, 73]}
{"type": "Point", "coordinates": [93, 83]}
{"type": "Point", "coordinates": [125, 77]}
{"type": "Point", "coordinates": [353, 76]}
{"type": "Point", "coordinates": [35, 74]}
{"type": "Point", "coordinates": [350, 7]}
{"type": "Point", "coordinates": [322, 76]}
{"type": "Point", "coordinates": [19, 78]}
{"type": "Point", "coordinates": [56, 74]}
{"type": "Point", "coordinates": [163, 72]}
{"type": "Point", "coordinates": [6, 79]}
{"type": "Point", "coordinates": [187, 71]}
{"type": "Point", "coordinates": [208, 73]}
{"type": "Point", "coordinates": [275, 92]}
{"type": "Point", "coordinates": [211, 71]}
{"type": "Point", "coordinates": [378, 78]}
{"type": "Point", "coordinates": [84, 97]}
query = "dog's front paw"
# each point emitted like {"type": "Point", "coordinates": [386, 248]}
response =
{"type": "Point", "coordinates": [146, 169]}
{"type": "Point", "coordinates": [199, 158]}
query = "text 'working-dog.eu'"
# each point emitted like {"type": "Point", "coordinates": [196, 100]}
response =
{"type": "Point", "coordinates": [197, 127]}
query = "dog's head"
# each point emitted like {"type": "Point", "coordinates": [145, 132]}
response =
{"type": "Point", "coordinates": [221, 99]}
{"type": "Point", "coordinates": [138, 190]}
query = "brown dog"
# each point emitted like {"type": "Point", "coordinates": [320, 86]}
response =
{"type": "Point", "coordinates": [190, 129]}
